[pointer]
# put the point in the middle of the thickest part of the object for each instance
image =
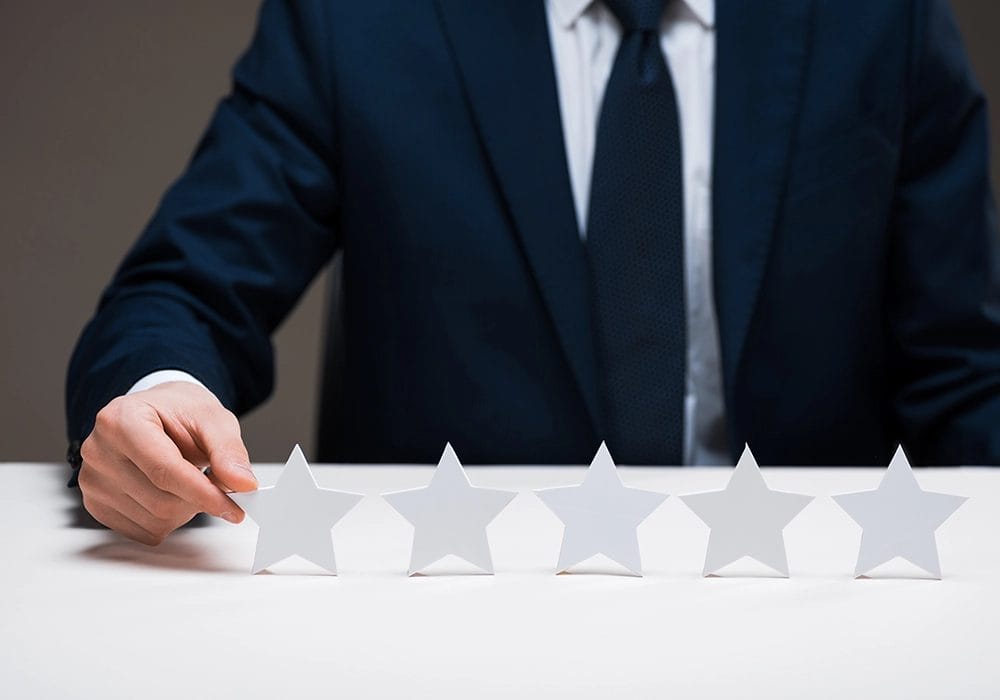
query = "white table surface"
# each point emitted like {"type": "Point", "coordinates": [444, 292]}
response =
{"type": "Point", "coordinates": [85, 613]}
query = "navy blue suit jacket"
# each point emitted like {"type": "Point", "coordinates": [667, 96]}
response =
{"type": "Point", "coordinates": [855, 241]}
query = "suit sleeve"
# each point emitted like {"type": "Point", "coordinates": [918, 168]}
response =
{"type": "Point", "coordinates": [236, 239]}
{"type": "Point", "coordinates": [944, 294]}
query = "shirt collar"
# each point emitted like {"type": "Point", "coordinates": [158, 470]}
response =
{"type": "Point", "coordinates": [703, 10]}
{"type": "Point", "coordinates": [567, 12]}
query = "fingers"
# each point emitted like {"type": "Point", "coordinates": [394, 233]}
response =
{"type": "Point", "coordinates": [119, 496]}
{"type": "Point", "coordinates": [154, 510]}
{"type": "Point", "coordinates": [215, 480]}
{"type": "Point", "coordinates": [218, 435]}
{"type": "Point", "coordinates": [99, 506]}
{"type": "Point", "coordinates": [120, 523]}
{"type": "Point", "coordinates": [158, 458]}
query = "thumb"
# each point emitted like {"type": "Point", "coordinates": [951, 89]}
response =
{"type": "Point", "coordinates": [220, 439]}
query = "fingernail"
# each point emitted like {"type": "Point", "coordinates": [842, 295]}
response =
{"type": "Point", "coordinates": [246, 468]}
{"type": "Point", "coordinates": [232, 516]}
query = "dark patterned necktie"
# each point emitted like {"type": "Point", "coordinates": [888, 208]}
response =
{"type": "Point", "coordinates": [636, 249]}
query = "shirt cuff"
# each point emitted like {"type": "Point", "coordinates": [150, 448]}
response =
{"type": "Point", "coordinates": [162, 377]}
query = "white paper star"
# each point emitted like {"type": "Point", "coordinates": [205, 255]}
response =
{"type": "Point", "coordinates": [899, 519]}
{"type": "Point", "coordinates": [747, 518]}
{"type": "Point", "coordinates": [450, 515]}
{"type": "Point", "coordinates": [295, 516]}
{"type": "Point", "coordinates": [601, 515]}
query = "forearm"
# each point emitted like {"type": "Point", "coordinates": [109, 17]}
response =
{"type": "Point", "coordinates": [234, 242]}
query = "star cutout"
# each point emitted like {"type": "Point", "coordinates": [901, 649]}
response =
{"type": "Point", "coordinates": [899, 519]}
{"type": "Point", "coordinates": [449, 516]}
{"type": "Point", "coordinates": [746, 518]}
{"type": "Point", "coordinates": [295, 516]}
{"type": "Point", "coordinates": [601, 515]}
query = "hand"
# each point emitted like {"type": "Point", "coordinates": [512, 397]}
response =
{"type": "Point", "coordinates": [142, 464]}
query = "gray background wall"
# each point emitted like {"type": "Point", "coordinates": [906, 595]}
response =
{"type": "Point", "coordinates": [101, 103]}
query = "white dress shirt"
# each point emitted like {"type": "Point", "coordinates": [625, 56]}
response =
{"type": "Point", "coordinates": [585, 38]}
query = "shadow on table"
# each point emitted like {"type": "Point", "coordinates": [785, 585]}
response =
{"type": "Point", "coordinates": [174, 554]}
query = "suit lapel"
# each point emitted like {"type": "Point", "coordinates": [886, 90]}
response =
{"type": "Point", "coordinates": [762, 50]}
{"type": "Point", "coordinates": [505, 61]}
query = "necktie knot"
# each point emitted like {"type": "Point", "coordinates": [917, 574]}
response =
{"type": "Point", "coordinates": [637, 15]}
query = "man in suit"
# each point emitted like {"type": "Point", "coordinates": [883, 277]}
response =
{"type": "Point", "coordinates": [677, 225]}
